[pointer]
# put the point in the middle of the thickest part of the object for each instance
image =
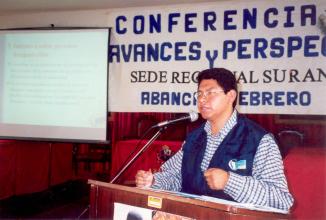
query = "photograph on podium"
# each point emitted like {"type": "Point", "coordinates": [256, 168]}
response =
{"type": "Point", "coordinates": [128, 212]}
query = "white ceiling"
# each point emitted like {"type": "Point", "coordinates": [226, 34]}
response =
{"type": "Point", "coordinates": [19, 6]}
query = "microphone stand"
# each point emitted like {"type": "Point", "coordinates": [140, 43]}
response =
{"type": "Point", "coordinates": [125, 167]}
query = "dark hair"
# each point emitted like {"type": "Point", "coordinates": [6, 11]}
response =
{"type": "Point", "coordinates": [224, 78]}
{"type": "Point", "coordinates": [133, 216]}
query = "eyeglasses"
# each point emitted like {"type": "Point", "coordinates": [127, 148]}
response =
{"type": "Point", "coordinates": [206, 94]}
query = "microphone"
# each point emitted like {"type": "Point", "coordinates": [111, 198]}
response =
{"type": "Point", "coordinates": [192, 116]}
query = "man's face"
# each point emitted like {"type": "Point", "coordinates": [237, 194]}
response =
{"type": "Point", "coordinates": [212, 101]}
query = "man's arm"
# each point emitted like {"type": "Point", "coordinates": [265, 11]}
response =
{"type": "Point", "coordinates": [267, 186]}
{"type": "Point", "coordinates": [170, 176]}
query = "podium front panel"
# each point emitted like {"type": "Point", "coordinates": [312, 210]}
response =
{"type": "Point", "coordinates": [104, 195]}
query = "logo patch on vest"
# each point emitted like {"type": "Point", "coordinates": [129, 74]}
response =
{"type": "Point", "coordinates": [237, 164]}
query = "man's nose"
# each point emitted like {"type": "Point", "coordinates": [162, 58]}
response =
{"type": "Point", "coordinates": [202, 99]}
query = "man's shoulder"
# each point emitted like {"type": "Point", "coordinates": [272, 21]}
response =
{"type": "Point", "coordinates": [200, 129]}
{"type": "Point", "coordinates": [196, 133]}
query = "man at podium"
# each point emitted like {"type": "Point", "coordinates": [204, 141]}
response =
{"type": "Point", "coordinates": [228, 156]}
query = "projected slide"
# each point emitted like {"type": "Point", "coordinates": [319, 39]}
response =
{"type": "Point", "coordinates": [54, 84]}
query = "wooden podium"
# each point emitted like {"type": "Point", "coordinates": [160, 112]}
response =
{"type": "Point", "coordinates": [104, 195]}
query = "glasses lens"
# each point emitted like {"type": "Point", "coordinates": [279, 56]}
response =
{"type": "Point", "coordinates": [197, 95]}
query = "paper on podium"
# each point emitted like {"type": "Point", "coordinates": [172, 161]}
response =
{"type": "Point", "coordinates": [244, 205]}
{"type": "Point", "coordinates": [223, 201]}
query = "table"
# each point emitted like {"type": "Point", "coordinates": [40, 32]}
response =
{"type": "Point", "coordinates": [148, 160]}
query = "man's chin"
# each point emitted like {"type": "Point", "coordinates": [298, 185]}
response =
{"type": "Point", "coordinates": [204, 116]}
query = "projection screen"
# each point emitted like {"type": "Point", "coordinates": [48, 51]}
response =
{"type": "Point", "coordinates": [54, 83]}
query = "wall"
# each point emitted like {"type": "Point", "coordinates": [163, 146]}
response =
{"type": "Point", "coordinates": [62, 18]}
{"type": "Point", "coordinates": [315, 134]}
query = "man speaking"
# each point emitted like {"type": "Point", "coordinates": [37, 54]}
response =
{"type": "Point", "coordinates": [228, 157]}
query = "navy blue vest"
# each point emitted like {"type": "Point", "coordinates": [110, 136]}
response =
{"type": "Point", "coordinates": [240, 144]}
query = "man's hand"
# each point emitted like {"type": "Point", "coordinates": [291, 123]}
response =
{"type": "Point", "coordinates": [216, 178]}
{"type": "Point", "coordinates": [144, 178]}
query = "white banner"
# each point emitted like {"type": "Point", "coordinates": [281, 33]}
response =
{"type": "Point", "coordinates": [276, 50]}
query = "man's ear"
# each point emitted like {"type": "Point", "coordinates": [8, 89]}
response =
{"type": "Point", "coordinates": [232, 95]}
